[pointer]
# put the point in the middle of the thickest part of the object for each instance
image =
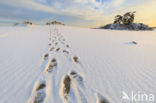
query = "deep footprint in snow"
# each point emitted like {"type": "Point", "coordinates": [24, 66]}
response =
{"type": "Point", "coordinates": [51, 65]}
{"type": "Point", "coordinates": [51, 49]}
{"type": "Point", "coordinates": [45, 56]}
{"type": "Point", "coordinates": [41, 86]}
{"type": "Point", "coordinates": [76, 59]}
{"type": "Point", "coordinates": [67, 46]}
{"type": "Point", "coordinates": [77, 77]}
{"type": "Point", "coordinates": [78, 86]}
{"type": "Point", "coordinates": [65, 51]}
{"type": "Point", "coordinates": [40, 93]}
{"type": "Point", "coordinates": [57, 49]}
{"type": "Point", "coordinates": [66, 86]}
{"type": "Point", "coordinates": [56, 43]}
{"type": "Point", "coordinates": [49, 44]}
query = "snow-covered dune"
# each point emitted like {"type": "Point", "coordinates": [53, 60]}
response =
{"type": "Point", "coordinates": [61, 64]}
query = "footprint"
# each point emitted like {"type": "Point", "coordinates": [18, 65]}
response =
{"type": "Point", "coordinates": [51, 49]}
{"type": "Point", "coordinates": [101, 99]}
{"type": "Point", "coordinates": [76, 59]}
{"type": "Point", "coordinates": [38, 95]}
{"type": "Point", "coordinates": [51, 65]}
{"type": "Point", "coordinates": [49, 44]}
{"type": "Point", "coordinates": [41, 86]}
{"type": "Point", "coordinates": [57, 49]}
{"type": "Point", "coordinates": [66, 86]}
{"type": "Point", "coordinates": [56, 43]}
{"type": "Point", "coordinates": [78, 78]}
{"type": "Point", "coordinates": [45, 56]}
{"type": "Point", "coordinates": [65, 51]}
{"type": "Point", "coordinates": [67, 46]}
{"type": "Point", "coordinates": [78, 87]}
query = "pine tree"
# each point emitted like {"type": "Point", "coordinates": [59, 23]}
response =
{"type": "Point", "coordinates": [118, 19]}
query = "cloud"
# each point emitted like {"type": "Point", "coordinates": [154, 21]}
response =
{"type": "Point", "coordinates": [96, 12]}
{"type": "Point", "coordinates": [117, 2]}
{"type": "Point", "coordinates": [69, 7]}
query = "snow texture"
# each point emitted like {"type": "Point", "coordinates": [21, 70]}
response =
{"type": "Point", "coordinates": [61, 64]}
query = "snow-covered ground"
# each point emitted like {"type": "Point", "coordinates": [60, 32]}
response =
{"type": "Point", "coordinates": [61, 64]}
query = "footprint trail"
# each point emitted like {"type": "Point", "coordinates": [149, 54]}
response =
{"type": "Point", "coordinates": [51, 87]}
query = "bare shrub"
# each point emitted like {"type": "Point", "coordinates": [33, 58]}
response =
{"type": "Point", "coordinates": [134, 42]}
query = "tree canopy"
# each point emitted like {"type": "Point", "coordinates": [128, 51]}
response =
{"type": "Point", "coordinates": [126, 19]}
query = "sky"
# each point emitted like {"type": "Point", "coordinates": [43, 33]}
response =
{"type": "Point", "coordinates": [83, 13]}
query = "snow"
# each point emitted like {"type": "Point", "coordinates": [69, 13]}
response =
{"type": "Point", "coordinates": [109, 62]}
{"type": "Point", "coordinates": [133, 26]}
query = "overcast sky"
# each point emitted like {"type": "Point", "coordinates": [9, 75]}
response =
{"type": "Point", "coordinates": [85, 13]}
